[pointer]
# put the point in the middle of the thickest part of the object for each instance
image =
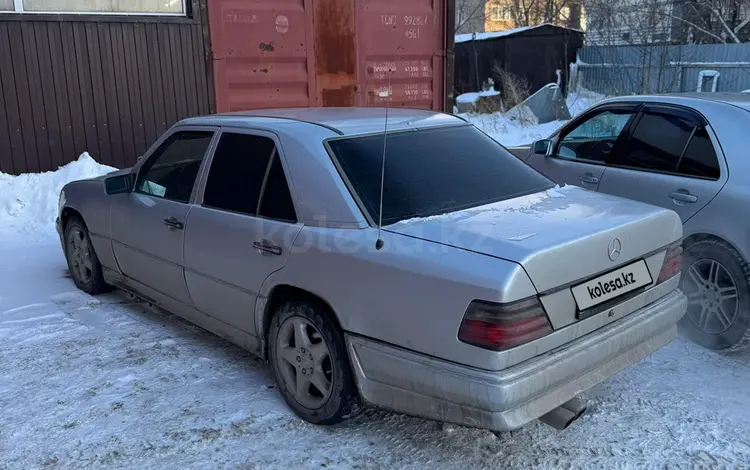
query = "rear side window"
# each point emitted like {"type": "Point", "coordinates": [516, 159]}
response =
{"type": "Point", "coordinates": [237, 171]}
{"type": "Point", "coordinates": [657, 142]}
{"type": "Point", "coordinates": [277, 200]}
{"type": "Point", "coordinates": [171, 171]}
{"type": "Point", "coordinates": [699, 158]}
{"type": "Point", "coordinates": [246, 172]}
{"type": "Point", "coordinates": [432, 171]}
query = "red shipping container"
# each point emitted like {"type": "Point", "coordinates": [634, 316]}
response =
{"type": "Point", "coordinates": [300, 53]}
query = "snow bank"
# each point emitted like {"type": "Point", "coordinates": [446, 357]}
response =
{"type": "Point", "coordinates": [581, 100]}
{"type": "Point", "coordinates": [473, 97]}
{"type": "Point", "coordinates": [519, 126]}
{"type": "Point", "coordinates": [511, 131]}
{"type": "Point", "coordinates": [28, 202]}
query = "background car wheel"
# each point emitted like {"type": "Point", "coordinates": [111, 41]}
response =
{"type": "Point", "coordinates": [715, 279]}
{"type": "Point", "coordinates": [83, 263]}
{"type": "Point", "coordinates": [309, 360]}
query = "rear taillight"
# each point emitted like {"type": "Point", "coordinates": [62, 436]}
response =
{"type": "Point", "coordinates": [672, 263]}
{"type": "Point", "coordinates": [503, 326]}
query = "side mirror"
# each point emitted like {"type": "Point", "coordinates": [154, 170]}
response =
{"type": "Point", "coordinates": [542, 147]}
{"type": "Point", "coordinates": [118, 184]}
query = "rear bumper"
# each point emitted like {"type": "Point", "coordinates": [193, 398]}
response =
{"type": "Point", "coordinates": [501, 401]}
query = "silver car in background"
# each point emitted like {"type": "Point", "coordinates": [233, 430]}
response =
{"type": "Point", "coordinates": [686, 152]}
{"type": "Point", "coordinates": [491, 297]}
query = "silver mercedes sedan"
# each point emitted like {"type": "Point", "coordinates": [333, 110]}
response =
{"type": "Point", "coordinates": [424, 269]}
{"type": "Point", "coordinates": [686, 152]}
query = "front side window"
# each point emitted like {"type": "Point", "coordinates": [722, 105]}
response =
{"type": "Point", "coordinates": [594, 138]}
{"type": "Point", "coordinates": [432, 171]}
{"type": "Point", "coordinates": [657, 142]}
{"type": "Point", "coordinates": [172, 169]}
{"type": "Point", "coordinates": [165, 7]}
{"type": "Point", "coordinates": [246, 173]}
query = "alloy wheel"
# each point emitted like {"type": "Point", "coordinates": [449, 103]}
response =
{"type": "Point", "coordinates": [304, 360]}
{"type": "Point", "coordinates": [79, 252]}
{"type": "Point", "coordinates": [713, 297]}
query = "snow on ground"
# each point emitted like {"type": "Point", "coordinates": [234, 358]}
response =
{"type": "Point", "coordinates": [521, 128]}
{"type": "Point", "coordinates": [28, 202]}
{"type": "Point", "coordinates": [512, 132]}
{"type": "Point", "coordinates": [105, 382]}
{"type": "Point", "coordinates": [92, 383]}
{"type": "Point", "coordinates": [581, 100]}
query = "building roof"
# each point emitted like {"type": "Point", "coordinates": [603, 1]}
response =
{"type": "Point", "coordinates": [508, 32]}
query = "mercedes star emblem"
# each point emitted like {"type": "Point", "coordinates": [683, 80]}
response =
{"type": "Point", "coordinates": [614, 249]}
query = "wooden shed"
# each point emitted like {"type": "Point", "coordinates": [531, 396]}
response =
{"type": "Point", "coordinates": [532, 53]}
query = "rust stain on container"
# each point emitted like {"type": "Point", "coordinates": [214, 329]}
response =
{"type": "Point", "coordinates": [335, 52]}
{"type": "Point", "coordinates": [329, 52]}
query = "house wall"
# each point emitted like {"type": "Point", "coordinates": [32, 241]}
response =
{"type": "Point", "coordinates": [501, 15]}
{"type": "Point", "coordinates": [105, 84]}
{"type": "Point", "coordinates": [631, 22]}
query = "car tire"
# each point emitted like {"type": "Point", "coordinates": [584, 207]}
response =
{"type": "Point", "coordinates": [715, 279]}
{"type": "Point", "coordinates": [83, 264]}
{"type": "Point", "coordinates": [307, 352]}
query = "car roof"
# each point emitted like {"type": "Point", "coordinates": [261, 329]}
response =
{"type": "Point", "coordinates": [343, 121]}
{"type": "Point", "coordinates": [740, 100]}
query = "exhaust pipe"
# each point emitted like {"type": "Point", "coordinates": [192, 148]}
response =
{"type": "Point", "coordinates": [564, 415]}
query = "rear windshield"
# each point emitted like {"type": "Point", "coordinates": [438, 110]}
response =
{"type": "Point", "coordinates": [433, 171]}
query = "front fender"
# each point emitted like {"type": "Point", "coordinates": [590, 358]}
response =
{"type": "Point", "coordinates": [88, 199]}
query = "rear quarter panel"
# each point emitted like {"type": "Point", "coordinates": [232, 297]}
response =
{"type": "Point", "coordinates": [89, 199]}
{"type": "Point", "coordinates": [727, 217]}
{"type": "Point", "coordinates": [411, 293]}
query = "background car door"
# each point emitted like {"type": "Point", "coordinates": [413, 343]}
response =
{"type": "Point", "coordinates": [581, 149]}
{"type": "Point", "coordinates": [148, 223]}
{"type": "Point", "coordinates": [243, 229]}
{"type": "Point", "coordinates": [669, 160]}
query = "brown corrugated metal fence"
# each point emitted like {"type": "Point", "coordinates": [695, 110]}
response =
{"type": "Point", "coordinates": [108, 85]}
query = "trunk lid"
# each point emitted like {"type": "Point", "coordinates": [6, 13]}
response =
{"type": "Point", "coordinates": [559, 236]}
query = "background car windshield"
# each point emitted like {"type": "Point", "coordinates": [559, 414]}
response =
{"type": "Point", "coordinates": [433, 171]}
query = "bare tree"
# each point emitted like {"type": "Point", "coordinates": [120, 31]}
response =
{"type": "Point", "coordinates": [726, 21]}
{"type": "Point", "coordinates": [668, 21]}
{"type": "Point", "coordinates": [470, 15]}
{"type": "Point", "coordinates": [532, 12]}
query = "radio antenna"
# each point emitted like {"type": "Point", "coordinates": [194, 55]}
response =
{"type": "Point", "coordinates": [379, 243]}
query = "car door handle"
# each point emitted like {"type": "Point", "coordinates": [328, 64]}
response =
{"type": "Point", "coordinates": [267, 247]}
{"type": "Point", "coordinates": [588, 178]}
{"type": "Point", "coordinates": [171, 222]}
{"type": "Point", "coordinates": [683, 196]}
